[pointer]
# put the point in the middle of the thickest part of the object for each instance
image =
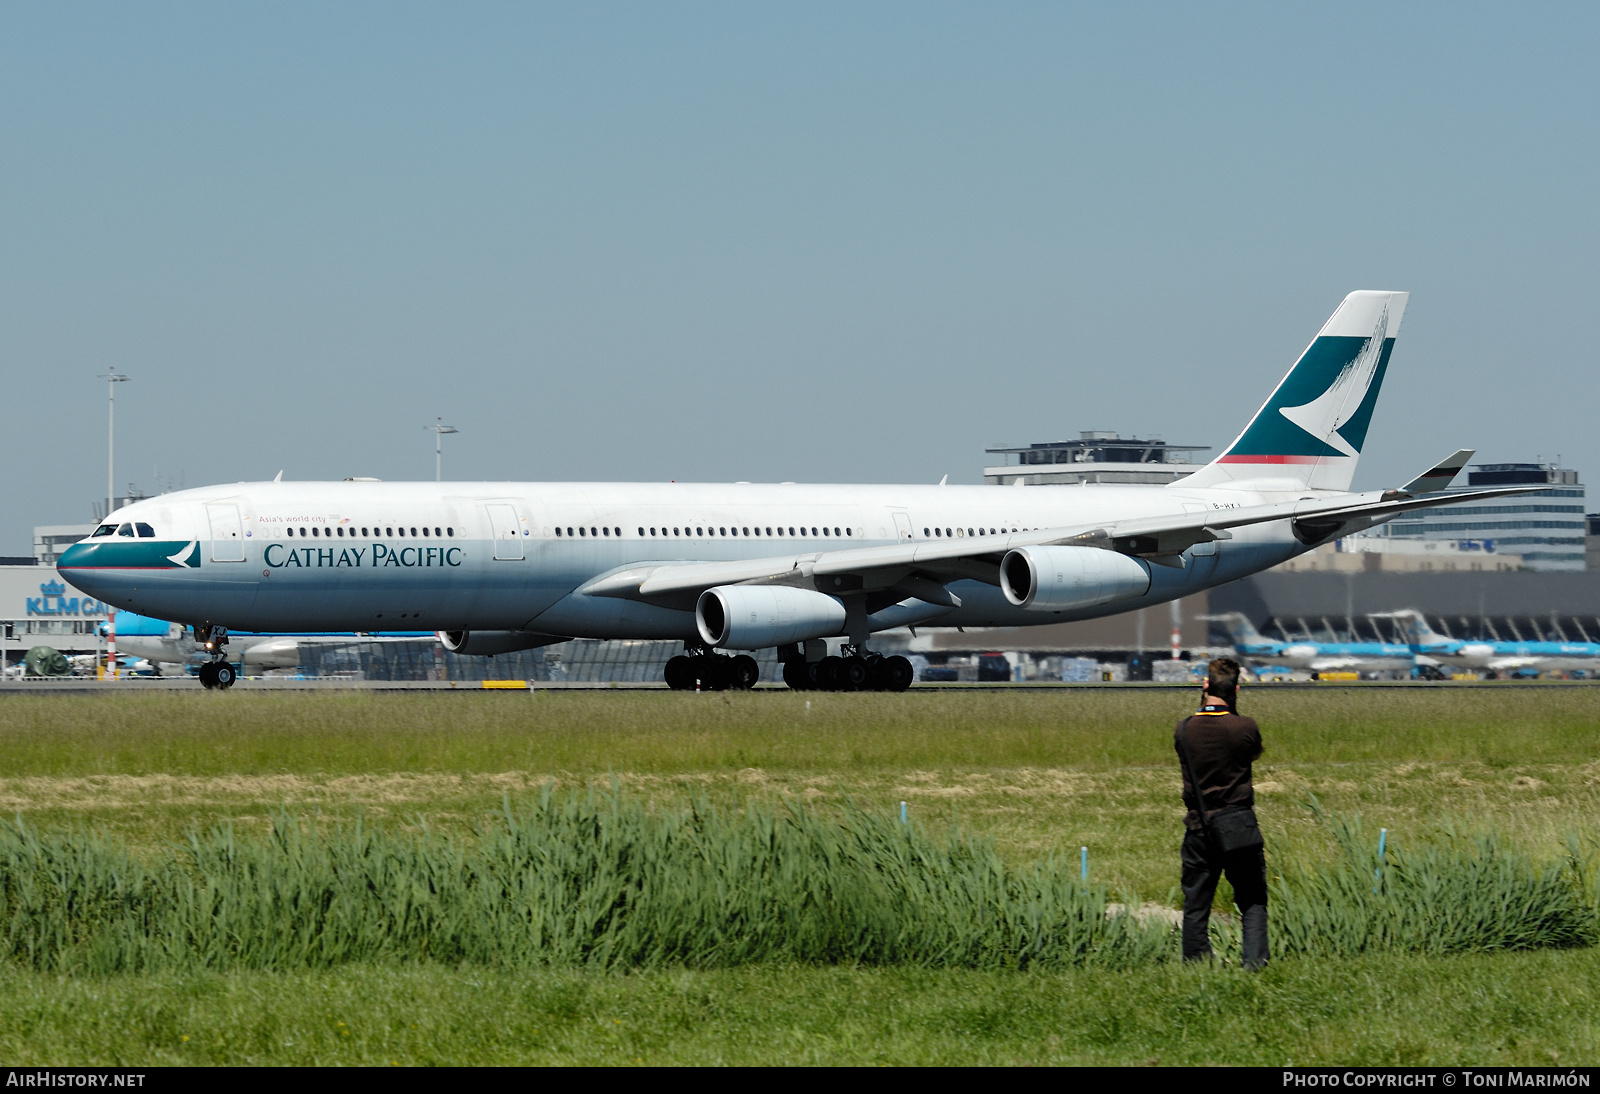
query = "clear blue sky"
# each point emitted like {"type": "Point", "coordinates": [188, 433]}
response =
{"type": "Point", "coordinates": [829, 243]}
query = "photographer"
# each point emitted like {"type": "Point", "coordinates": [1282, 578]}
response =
{"type": "Point", "coordinates": [1215, 749]}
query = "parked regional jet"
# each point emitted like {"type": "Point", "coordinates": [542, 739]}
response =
{"type": "Point", "coordinates": [1256, 648]}
{"type": "Point", "coordinates": [1494, 656]}
{"type": "Point", "coordinates": [496, 567]}
{"type": "Point", "coordinates": [163, 643]}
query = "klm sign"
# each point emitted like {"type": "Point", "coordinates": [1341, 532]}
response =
{"type": "Point", "coordinates": [54, 601]}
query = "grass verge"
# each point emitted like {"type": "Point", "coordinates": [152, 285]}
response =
{"type": "Point", "coordinates": [1502, 1009]}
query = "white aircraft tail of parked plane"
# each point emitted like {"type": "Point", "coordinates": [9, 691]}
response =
{"type": "Point", "coordinates": [495, 567]}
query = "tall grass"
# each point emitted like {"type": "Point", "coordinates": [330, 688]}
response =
{"type": "Point", "coordinates": [1457, 895]}
{"type": "Point", "coordinates": [570, 880]}
{"type": "Point", "coordinates": [600, 881]}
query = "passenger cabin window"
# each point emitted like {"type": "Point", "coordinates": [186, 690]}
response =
{"type": "Point", "coordinates": [450, 531]}
{"type": "Point", "coordinates": [424, 531]}
{"type": "Point", "coordinates": [413, 531]}
{"type": "Point", "coordinates": [389, 531]}
{"type": "Point", "coordinates": [145, 531]}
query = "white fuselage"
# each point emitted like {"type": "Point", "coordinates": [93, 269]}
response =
{"type": "Point", "coordinates": [370, 556]}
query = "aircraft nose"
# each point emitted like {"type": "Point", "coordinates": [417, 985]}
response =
{"type": "Point", "coordinates": [75, 557]}
{"type": "Point", "coordinates": [78, 565]}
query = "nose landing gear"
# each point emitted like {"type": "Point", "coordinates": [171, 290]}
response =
{"type": "Point", "coordinates": [216, 673]}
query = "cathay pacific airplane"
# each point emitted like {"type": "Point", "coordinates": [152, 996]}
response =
{"type": "Point", "coordinates": [1495, 657]}
{"type": "Point", "coordinates": [495, 567]}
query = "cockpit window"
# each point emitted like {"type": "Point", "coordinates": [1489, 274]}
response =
{"type": "Point", "coordinates": [145, 531]}
{"type": "Point", "coordinates": [103, 530]}
{"type": "Point", "coordinates": [126, 530]}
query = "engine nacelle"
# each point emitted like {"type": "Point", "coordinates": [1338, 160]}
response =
{"type": "Point", "coordinates": [1062, 578]}
{"type": "Point", "coordinates": [752, 617]}
{"type": "Point", "coordinates": [489, 643]}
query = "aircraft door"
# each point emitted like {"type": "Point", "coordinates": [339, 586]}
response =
{"type": "Point", "coordinates": [506, 528]}
{"type": "Point", "coordinates": [227, 533]}
{"type": "Point", "coordinates": [902, 526]}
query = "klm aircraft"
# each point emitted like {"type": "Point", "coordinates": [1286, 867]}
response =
{"type": "Point", "coordinates": [495, 567]}
{"type": "Point", "coordinates": [1495, 657]}
{"type": "Point", "coordinates": [163, 643]}
{"type": "Point", "coordinates": [1254, 647]}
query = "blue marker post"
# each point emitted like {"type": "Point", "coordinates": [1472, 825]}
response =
{"type": "Point", "coordinates": [1083, 862]}
{"type": "Point", "coordinates": [1377, 875]}
{"type": "Point", "coordinates": [902, 812]}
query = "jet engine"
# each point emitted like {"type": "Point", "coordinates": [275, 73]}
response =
{"type": "Point", "coordinates": [489, 643]}
{"type": "Point", "coordinates": [751, 617]}
{"type": "Point", "coordinates": [1063, 578]}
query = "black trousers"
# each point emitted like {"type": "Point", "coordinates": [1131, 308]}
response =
{"type": "Point", "coordinates": [1203, 867]}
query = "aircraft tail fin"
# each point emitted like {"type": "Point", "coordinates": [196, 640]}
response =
{"type": "Point", "coordinates": [1415, 625]}
{"type": "Point", "coordinates": [1310, 431]}
{"type": "Point", "coordinates": [1240, 629]}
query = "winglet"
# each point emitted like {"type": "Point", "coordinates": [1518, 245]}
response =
{"type": "Point", "coordinates": [279, 476]}
{"type": "Point", "coordinates": [1440, 475]}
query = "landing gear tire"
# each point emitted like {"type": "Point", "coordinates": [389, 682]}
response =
{"type": "Point", "coordinates": [222, 675]}
{"type": "Point", "coordinates": [208, 675]}
{"type": "Point", "coordinates": [679, 674]}
{"type": "Point", "coordinates": [743, 672]}
{"type": "Point", "coordinates": [897, 673]}
{"type": "Point", "coordinates": [854, 674]}
{"type": "Point", "coordinates": [830, 674]}
{"type": "Point", "coordinates": [712, 672]}
{"type": "Point", "coordinates": [796, 676]}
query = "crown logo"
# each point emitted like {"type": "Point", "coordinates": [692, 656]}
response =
{"type": "Point", "coordinates": [53, 588]}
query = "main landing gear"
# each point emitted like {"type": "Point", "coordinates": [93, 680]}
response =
{"type": "Point", "coordinates": [858, 670]}
{"type": "Point", "coordinates": [699, 669]}
{"type": "Point", "coordinates": [216, 673]}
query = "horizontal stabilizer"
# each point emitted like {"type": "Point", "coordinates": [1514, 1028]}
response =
{"type": "Point", "coordinates": [1440, 475]}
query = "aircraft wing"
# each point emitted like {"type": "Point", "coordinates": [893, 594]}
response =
{"type": "Point", "coordinates": [920, 569]}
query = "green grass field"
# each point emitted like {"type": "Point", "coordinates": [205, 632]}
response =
{"type": "Point", "coordinates": [1038, 772]}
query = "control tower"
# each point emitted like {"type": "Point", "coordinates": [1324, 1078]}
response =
{"type": "Point", "coordinates": [1096, 456]}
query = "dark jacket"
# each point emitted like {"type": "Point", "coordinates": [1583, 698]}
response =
{"type": "Point", "coordinates": [1222, 747]}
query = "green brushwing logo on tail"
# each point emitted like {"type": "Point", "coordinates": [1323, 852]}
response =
{"type": "Point", "coordinates": [1324, 406]}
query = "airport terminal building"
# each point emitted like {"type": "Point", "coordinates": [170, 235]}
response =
{"type": "Point", "coordinates": [1547, 529]}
